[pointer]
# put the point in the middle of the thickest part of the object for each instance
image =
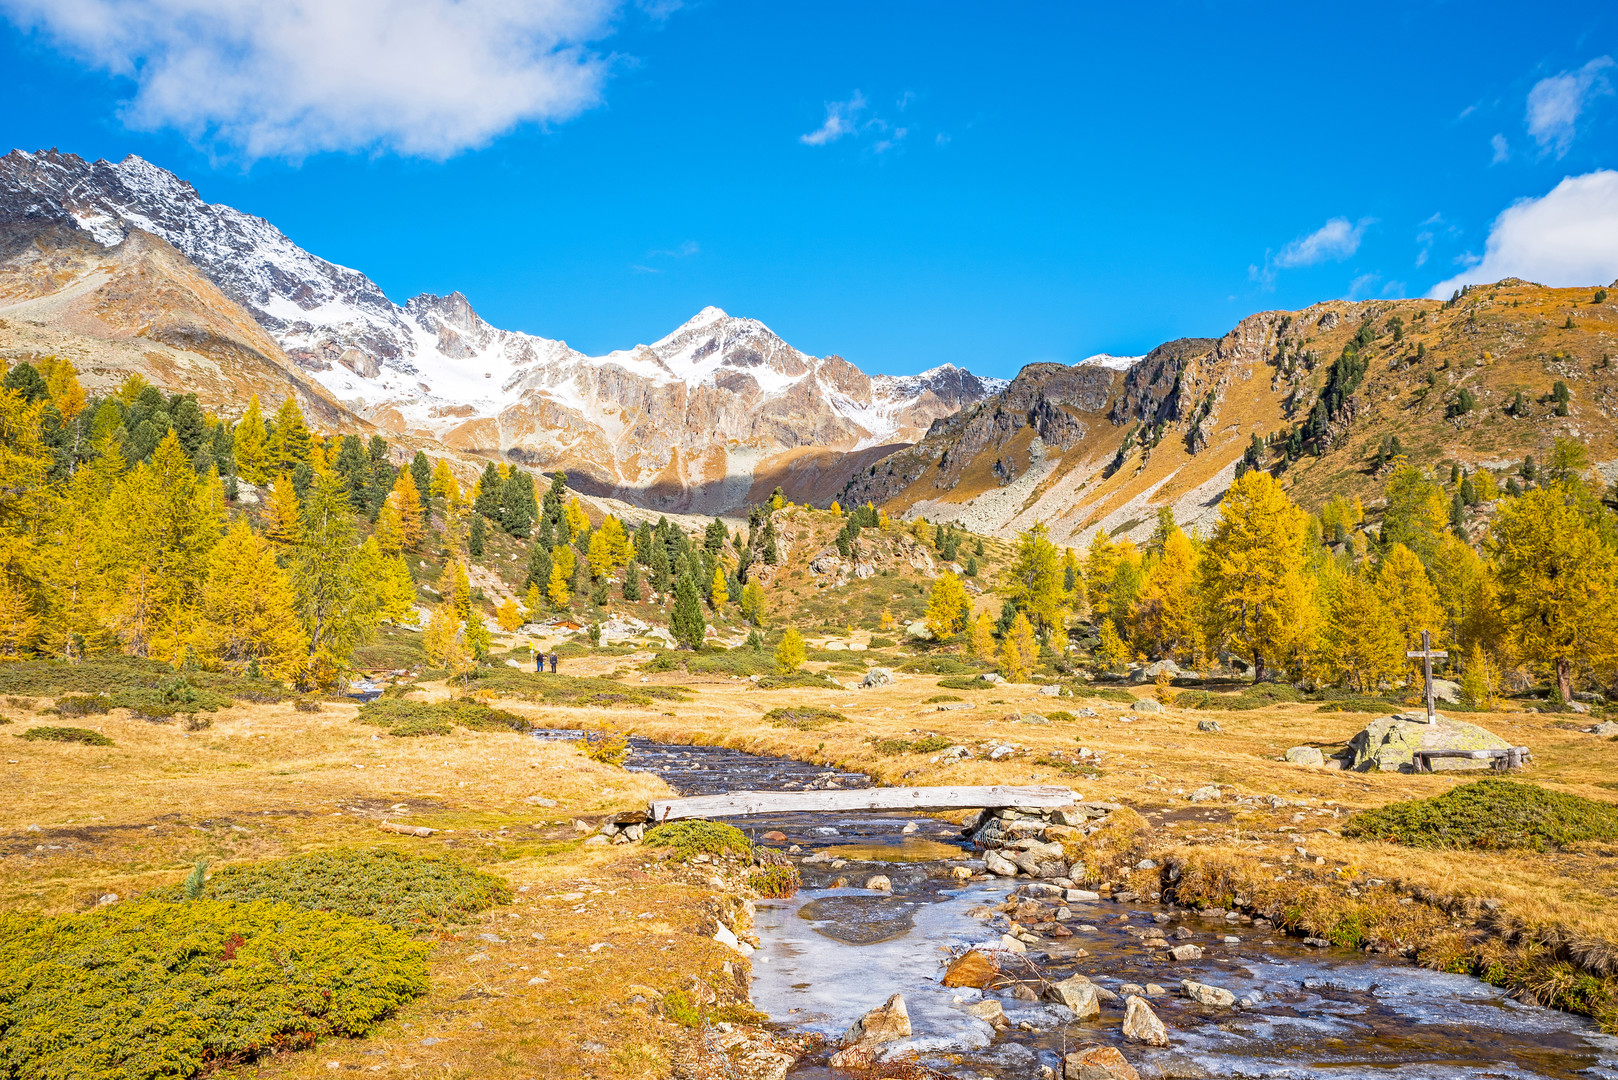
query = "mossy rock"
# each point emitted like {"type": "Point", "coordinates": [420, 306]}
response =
{"type": "Point", "coordinates": [1389, 744]}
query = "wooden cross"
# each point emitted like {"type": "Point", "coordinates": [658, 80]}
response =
{"type": "Point", "coordinates": [1428, 654]}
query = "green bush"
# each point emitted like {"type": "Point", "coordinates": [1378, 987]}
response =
{"type": "Point", "coordinates": [882, 643]}
{"type": "Point", "coordinates": [965, 682]}
{"type": "Point", "coordinates": [407, 718]}
{"type": "Point", "coordinates": [938, 699]}
{"type": "Point", "coordinates": [713, 661]}
{"type": "Point", "coordinates": [83, 704]}
{"type": "Point", "coordinates": [804, 717]}
{"type": "Point", "coordinates": [807, 679]}
{"type": "Point", "coordinates": [929, 744]}
{"type": "Point", "coordinates": [381, 884]}
{"type": "Point", "coordinates": [697, 837]}
{"type": "Point", "coordinates": [576, 690]}
{"type": "Point", "coordinates": [1489, 815]}
{"type": "Point", "coordinates": [942, 665]}
{"type": "Point", "coordinates": [147, 990]}
{"type": "Point", "coordinates": [66, 734]}
{"type": "Point", "coordinates": [147, 686]}
{"type": "Point", "coordinates": [1254, 697]}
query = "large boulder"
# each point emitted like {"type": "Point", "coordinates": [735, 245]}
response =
{"type": "Point", "coordinates": [919, 631]}
{"type": "Point", "coordinates": [1098, 1063]}
{"type": "Point", "coordinates": [974, 968]}
{"type": "Point", "coordinates": [1389, 744]}
{"type": "Point", "coordinates": [885, 1023]}
{"type": "Point", "coordinates": [1142, 1025]}
{"type": "Point", "coordinates": [877, 677]}
{"type": "Point", "coordinates": [1149, 672]}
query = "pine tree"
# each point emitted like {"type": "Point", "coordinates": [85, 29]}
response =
{"type": "Point", "coordinates": [948, 608]}
{"type": "Point", "coordinates": [983, 644]}
{"type": "Point", "coordinates": [249, 446]}
{"type": "Point", "coordinates": [721, 591]}
{"type": "Point", "coordinates": [631, 585]}
{"type": "Point", "coordinates": [248, 609]}
{"type": "Point", "coordinates": [790, 652]}
{"type": "Point", "coordinates": [1253, 568]}
{"type": "Point", "coordinates": [421, 475]}
{"type": "Point", "coordinates": [474, 543]}
{"type": "Point", "coordinates": [289, 445]}
{"type": "Point", "coordinates": [686, 622]}
{"type": "Point", "coordinates": [486, 495]}
{"type": "Point", "coordinates": [539, 565]}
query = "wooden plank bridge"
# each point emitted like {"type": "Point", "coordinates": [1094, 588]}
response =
{"type": "Point", "coordinates": [744, 803]}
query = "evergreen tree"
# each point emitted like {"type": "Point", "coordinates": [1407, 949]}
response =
{"type": "Point", "coordinates": [539, 565]}
{"type": "Point", "coordinates": [518, 506]}
{"type": "Point", "coordinates": [1417, 515]}
{"type": "Point", "coordinates": [555, 496]}
{"type": "Point", "coordinates": [421, 475]}
{"type": "Point", "coordinates": [972, 566]}
{"type": "Point", "coordinates": [337, 611]}
{"type": "Point", "coordinates": [790, 652]}
{"type": "Point", "coordinates": [659, 568]}
{"type": "Point", "coordinates": [491, 486]}
{"type": "Point", "coordinates": [686, 622]}
{"type": "Point", "coordinates": [474, 544]}
{"type": "Point", "coordinates": [353, 464]}
{"type": "Point", "coordinates": [249, 446]}
{"type": "Point", "coordinates": [771, 553]}
{"type": "Point", "coordinates": [713, 538]}
{"type": "Point", "coordinates": [631, 586]}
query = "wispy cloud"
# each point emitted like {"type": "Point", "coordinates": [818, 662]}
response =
{"type": "Point", "coordinates": [423, 78]}
{"type": "Point", "coordinates": [842, 118]}
{"type": "Point", "coordinates": [682, 251]}
{"type": "Point", "coordinates": [1554, 104]}
{"type": "Point", "coordinates": [1502, 149]}
{"type": "Point", "coordinates": [1566, 237]}
{"type": "Point", "coordinates": [1332, 242]}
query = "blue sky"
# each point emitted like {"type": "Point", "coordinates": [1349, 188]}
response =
{"type": "Point", "coordinates": [904, 184]}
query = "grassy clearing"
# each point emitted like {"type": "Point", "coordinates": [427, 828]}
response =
{"type": "Point", "coordinates": [410, 718]}
{"type": "Point", "coordinates": [579, 691]}
{"type": "Point", "coordinates": [1490, 815]}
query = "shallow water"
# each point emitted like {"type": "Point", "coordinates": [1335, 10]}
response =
{"type": "Point", "coordinates": [829, 954]}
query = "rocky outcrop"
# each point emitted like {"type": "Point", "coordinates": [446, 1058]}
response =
{"type": "Point", "coordinates": [1389, 744]}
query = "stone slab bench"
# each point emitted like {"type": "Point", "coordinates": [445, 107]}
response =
{"type": "Point", "coordinates": [1504, 759]}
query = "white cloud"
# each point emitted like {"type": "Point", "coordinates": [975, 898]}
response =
{"type": "Point", "coordinates": [842, 118]}
{"type": "Point", "coordinates": [1334, 241]}
{"type": "Point", "coordinates": [425, 78]}
{"type": "Point", "coordinates": [1502, 149]}
{"type": "Point", "coordinates": [1554, 103]}
{"type": "Point", "coordinates": [1567, 237]}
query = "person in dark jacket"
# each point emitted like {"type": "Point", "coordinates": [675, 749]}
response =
{"type": "Point", "coordinates": [553, 661]}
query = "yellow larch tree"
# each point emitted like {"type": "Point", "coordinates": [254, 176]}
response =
{"type": "Point", "coordinates": [283, 516]}
{"type": "Point", "coordinates": [1167, 615]}
{"type": "Point", "coordinates": [62, 383]}
{"type": "Point", "coordinates": [250, 445]}
{"type": "Point", "coordinates": [1034, 581]}
{"type": "Point", "coordinates": [1111, 652]}
{"type": "Point", "coordinates": [389, 528]}
{"type": "Point", "coordinates": [983, 644]}
{"type": "Point", "coordinates": [458, 588]}
{"type": "Point", "coordinates": [948, 608]}
{"type": "Point", "coordinates": [248, 611]}
{"type": "Point", "coordinates": [508, 615]}
{"type": "Point", "coordinates": [72, 575]}
{"type": "Point", "coordinates": [1364, 649]}
{"type": "Point", "coordinates": [721, 589]}
{"type": "Point", "coordinates": [1253, 567]}
{"type": "Point", "coordinates": [289, 443]}
{"type": "Point", "coordinates": [533, 603]}
{"type": "Point", "coordinates": [577, 521]}
{"type": "Point", "coordinates": [1100, 562]}
{"type": "Point", "coordinates": [406, 499]}
{"type": "Point", "coordinates": [790, 653]}
{"type": "Point", "coordinates": [1408, 597]}
{"type": "Point", "coordinates": [559, 589]}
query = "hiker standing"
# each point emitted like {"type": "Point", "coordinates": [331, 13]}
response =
{"type": "Point", "coordinates": [553, 661]}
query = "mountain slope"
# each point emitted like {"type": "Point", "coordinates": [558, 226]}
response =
{"type": "Point", "coordinates": [1085, 453]}
{"type": "Point", "coordinates": [690, 422]}
{"type": "Point", "coordinates": [143, 308]}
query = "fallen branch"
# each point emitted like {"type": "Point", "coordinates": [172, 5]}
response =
{"type": "Point", "coordinates": [407, 830]}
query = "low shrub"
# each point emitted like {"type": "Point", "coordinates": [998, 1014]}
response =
{"type": "Point", "coordinates": [143, 990]}
{"type": "Point", "coordinates": [742, 662]}
{"type": "Point", "coordinates": [83, 705]}
{"type": "Point", "coordinates": [66, 734]}
{"type": "Point", "coordinates": [965, 682]}
{"type": "Point", "coordinates": [575, 690]}
{"type": "Point", "coordinates": [697, 837]}
{"type": "Point", "coordinates": [1060, 716]}
{"type": "Point", "coordinates": [882, 643]}
{"type": "Point", "coordinates": [942, 665]}
{"type": "Point", "coordinates": [804, 717]}
{"type": "Point", "coordinates": [409, 718]}
{"type": "Point", "coordinates": [807, 679]}
{"type": "Point", "coordinates": [1489, 815]}
{"type": "Point", "coordinates": [410, 892]}
{"type": "Point", "coordinates": [1254, 697]}
{"type": "Point", "coordinates": [607, 747]}
{"type": "Point", "coordinates": [928, 744]}
{"type": "Point", "coordinates": [938, 699]}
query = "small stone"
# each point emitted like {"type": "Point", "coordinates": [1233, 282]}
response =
{"type": "Point", "coordinates": [961, 873]}
{"type": "Point", "coordinates": [910, 828]}
{"type": "Point", "coordinates": [1203, 994]}
{"type": "Point", "coordinates": [1080, 896]}
{"type": "Point", "coordinates": [775, 836]}
{"type": "Point", "coordinates": [1210, 726]}
{"type": "Point", "coordinates": [1141, 1023]}
{"type": "Point", "coordinates": [1098, 1063]}
{"type": "Point", "coordinates": [108, 898]}
{"type": "Point", "coordinates": [477, 958]}
{"type": "Point", "coordinates": [974, 968]}
{"type": "Point", "coordinates": [878, 676]}
{"type": "Point", "coordinates": [1306, 755]}
{"type": "Point", "coordinates": [990, 1010]}
{"type": "Point", "coordinates": [1154, 990]}
{"type": "Point", "coordinates": [1024, 992]}
{"type": "Point", "coordinates": [1183, 953]}
{"type": "Point", "coordinates": [879, 882]}
{"type": "Point", "coordinates": [1012, 944]}
{"type": "Point", "coordinates": [885, 1023]}
{"type": "Point", "coordinates": [1204, 794]}
{"type": "Point", "coordinates": [1147, 705]}
{"type": "Point", "coordinates": [1077, 993]}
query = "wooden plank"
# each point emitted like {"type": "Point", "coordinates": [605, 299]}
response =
{"type": "Point", "coordinates": [743, 803]}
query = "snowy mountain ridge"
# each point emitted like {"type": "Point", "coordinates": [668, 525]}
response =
{"type": "Point", "coordinates": [689, 415]}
